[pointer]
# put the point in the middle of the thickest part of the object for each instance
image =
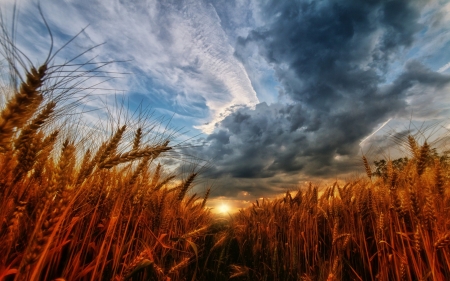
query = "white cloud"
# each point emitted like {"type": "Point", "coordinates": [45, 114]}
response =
{"type": "Point", "coordinates": [444, 67]}
{"type": "Point", "coordinates": [435, 18]}
{"type": "Point", "coordinates": [181, 47]}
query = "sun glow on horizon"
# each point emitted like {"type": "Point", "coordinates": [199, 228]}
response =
{"type": "Point", "coordinates": [223, 208]}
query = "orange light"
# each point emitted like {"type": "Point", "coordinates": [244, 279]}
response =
{"type": "Point", "coordinates": [224, 208]}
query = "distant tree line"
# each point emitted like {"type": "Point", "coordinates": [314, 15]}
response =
{"type": "Point", "coordinates": [381, 166]}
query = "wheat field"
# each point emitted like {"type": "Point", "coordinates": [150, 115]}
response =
{"type": "Point", "coordinates": [87, 208]}
{"type": "Point", "coordinates": [394, 227]}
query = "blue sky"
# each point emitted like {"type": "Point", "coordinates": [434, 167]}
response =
{"type": "Point", "coordinates": [279, 91]}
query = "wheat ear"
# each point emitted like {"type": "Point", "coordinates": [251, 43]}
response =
{"type": "Point", "coordinates": [413, 146]}
{"type": "Point", "coordinates": [137, 139]}
{"type": "Point", "coordinates": [421, 163]}
{"type": "Point", "coordinates": [367, 167]}
{"type": "Point", "coordinates": [185, 186]}
{"type": "Point", "coordinates": [22, 105]}
{"type": "Point", "coordinates": [152, 152]}
{"type": "Point", "coordinates": [205, 198]}
{"type": "Point", "coordinates": [27, 133]}
{"type": "Point", "coordinates": [443, 242]}
{"type": "Point", "coordinates": [439, 178]}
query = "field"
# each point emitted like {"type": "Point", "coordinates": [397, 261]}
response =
{"type": "Point", "coordinates": [86, 208]}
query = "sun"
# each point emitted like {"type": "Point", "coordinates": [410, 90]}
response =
{"type": "Point", "coordinates": [223, 208]}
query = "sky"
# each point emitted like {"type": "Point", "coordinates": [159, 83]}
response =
{"type": "Point", "coordinates": [271, 93]}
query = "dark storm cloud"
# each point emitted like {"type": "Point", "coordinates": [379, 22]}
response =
{"type": "Point", "coordinates": [269, 139]}
{"type": "Point", "coordinates": [332, 60]}
{"type": "Point", "coordinates": [416, 73]}
{"type": "Point", "coordinates": [335, 50]}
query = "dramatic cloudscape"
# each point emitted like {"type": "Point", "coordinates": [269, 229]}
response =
{"type": "Point", "coordinates": [278, 93]}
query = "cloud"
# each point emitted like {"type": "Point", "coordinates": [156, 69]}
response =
{"type": "Point", "coordinates": [334, 61]}
{"type": "Point", "coordinates": [180, 55]}
{"type": "Point", "coordinates": [444, 67]}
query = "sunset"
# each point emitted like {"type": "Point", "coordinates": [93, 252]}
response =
{"type": "Point", "coordinates": [225, 140]}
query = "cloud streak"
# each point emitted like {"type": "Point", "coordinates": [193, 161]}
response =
{"type": "Point", "coordinates": [181, 59]}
